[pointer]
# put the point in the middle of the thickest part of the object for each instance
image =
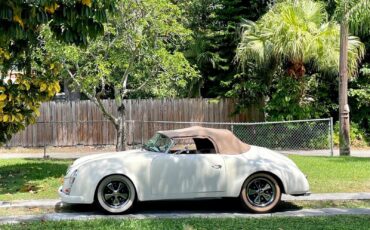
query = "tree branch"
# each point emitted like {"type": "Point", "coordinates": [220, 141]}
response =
{"type": "Point", "coordinates": [95, 99]}
{"type": "Point", "coordinates": [127, 71]}
{"type": "Point", "coordinates": [138, 88]}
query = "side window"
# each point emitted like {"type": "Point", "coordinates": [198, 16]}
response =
{"type": "Point", "coordinates": [192, 146]}
{"type": "Point", "coordinates": [204, 146]}
{"type": "Point", "coordinates": [183, 146]}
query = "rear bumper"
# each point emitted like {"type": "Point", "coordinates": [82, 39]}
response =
{"type": "Point", "coordinates": [70, 199]}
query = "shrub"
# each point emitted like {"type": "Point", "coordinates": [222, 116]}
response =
{"type": "Point", "coordinates": [357, 135]}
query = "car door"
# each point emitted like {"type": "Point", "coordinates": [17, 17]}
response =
{"type": "Point", "coordinates": [180, 175]}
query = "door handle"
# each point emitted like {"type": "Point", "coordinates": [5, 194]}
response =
{"type": "Point", "coordinates": [216, 166]}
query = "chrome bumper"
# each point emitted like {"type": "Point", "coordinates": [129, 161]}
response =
{"type": "Point", "coordinates": [70, 199]}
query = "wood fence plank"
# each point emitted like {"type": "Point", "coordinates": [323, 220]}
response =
{"type": "Point", "coordinates": [81, 122]}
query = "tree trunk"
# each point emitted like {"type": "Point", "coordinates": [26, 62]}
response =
{"type": "Point", "coordinates": [344, 124]}
{"type": "Point", "coordinates": [121, 130]}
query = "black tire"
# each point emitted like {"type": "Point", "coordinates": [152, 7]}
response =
{"type": "Point", "coordinates": [260, 193]}
{"type": "Point", "coordinates": [116, 194]}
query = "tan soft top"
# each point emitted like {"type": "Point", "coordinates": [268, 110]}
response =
{"type": "Point", "coordinates": [224, 141]}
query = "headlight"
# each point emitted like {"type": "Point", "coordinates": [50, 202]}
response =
{"type": "Point", "coordinates": [73, 178]}
{"type": "Point", "coordinates": [68, 184]}
{"type": "Point", "coordinates": [69, 169]}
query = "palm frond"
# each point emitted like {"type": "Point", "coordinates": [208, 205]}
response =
{"type": "Point", "coordinates": [297, 31]}
{"type": "Point", "coordinates": [359, 17]}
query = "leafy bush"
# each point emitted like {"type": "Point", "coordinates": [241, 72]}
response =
{"type": "Point", "coordinates": [357, 135]}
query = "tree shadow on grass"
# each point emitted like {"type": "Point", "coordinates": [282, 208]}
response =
{"type": "Point", "coordinates": [25, 175]}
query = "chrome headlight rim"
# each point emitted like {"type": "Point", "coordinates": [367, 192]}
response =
{"type": "Point", "coordinates": [73, 177]}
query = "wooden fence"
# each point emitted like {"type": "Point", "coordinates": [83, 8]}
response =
{"type": "Point", "coordinates": [81, 122]}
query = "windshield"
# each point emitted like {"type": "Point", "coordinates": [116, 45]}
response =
{"type": "Point", "coordinates": [158, 143]}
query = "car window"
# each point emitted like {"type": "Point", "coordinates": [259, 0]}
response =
{"type": "Point", "coordinates": [192, 146]}
{"type": "Point", "coordinates": [158, 143]}
{"type": "Point", "coordinates": [183, 146]}
{"type": "Point", "coordinates": [204, 146]}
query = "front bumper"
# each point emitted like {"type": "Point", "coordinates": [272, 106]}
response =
{"type": "Point", "coordinates": [70, 199]}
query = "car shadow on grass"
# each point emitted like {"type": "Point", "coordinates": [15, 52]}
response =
{"type": "Point", "coordinates": [226, 205]}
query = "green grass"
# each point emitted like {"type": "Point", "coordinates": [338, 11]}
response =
{"type": "Point", "coordinates": [296, 205]}
{"type": "Point", "coordinates": [333, 222]}
{"type": "Point", "coordinates": [335, 174]}
{"type": "Point", "coordinates": [221, 207]}
{"type": "Point", "coordinates": [22, 179]}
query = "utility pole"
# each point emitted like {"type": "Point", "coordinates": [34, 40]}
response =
{"type": "Point", "coordinates": [344, 122]}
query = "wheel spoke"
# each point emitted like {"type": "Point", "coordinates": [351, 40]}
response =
{"type": "Point", "coordinates": [267, 186]}
{"type": "Point", "coordinates": [252, 191]}
{"type": "Point", "coordinates": [123, 195]}
{"type": "Point", "coordinates": [257, 184]}
{"type": "Point", "coordinates": [266, 196]}
{"type": "Point", "coordinates": [257, 200]}
{"type": "Point", "coordinates": [110, 186]}
{"type": "Point", "coordinates": [108, 196]}
{"type": "Point", "coordinates": [116, 201]}
{"type": "Point", "coordinates": [119, 187]}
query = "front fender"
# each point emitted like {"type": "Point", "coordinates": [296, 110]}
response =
{"type": "Point", "coordinates": [90, 174]}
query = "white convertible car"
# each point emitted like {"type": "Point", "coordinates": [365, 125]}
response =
{"type": "Point", "coordinates": [188, 163]}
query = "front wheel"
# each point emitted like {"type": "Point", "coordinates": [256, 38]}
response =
{"type": "Point", "coordinates": [116, 194]}
{"type": "Point", "coordinates": [260, 193]}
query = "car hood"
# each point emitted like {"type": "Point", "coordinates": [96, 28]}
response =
{"type": "Point", "coordinates": [102, 156]}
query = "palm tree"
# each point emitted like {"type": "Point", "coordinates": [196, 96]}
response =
{"type": "Point", "coordinates": [296, 34]}
{"type": "Point", "coordinates": [353, 14]}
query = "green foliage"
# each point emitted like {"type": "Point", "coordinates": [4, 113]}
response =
{"type": "Point", "coordinates": [359, 98]}
{"type": "Point", "coordinates": [306, 98]}
{"type": "Point", "coordinates": [215, 25]}
{"type": "Point", "coordinates": [296, 34]}
{"type": "Point", "coordinates": [355, 13]}
{"type": "Point", "coordinates": [357, 135]}
{"type": "Point", "coordinates": [20, 101]}
{"type": "Point", "coordinates": [71, 21]}
{"type": "Point", "coordinates": [138, 55]}
{"type": "Point", "coordinates": [294, 50]}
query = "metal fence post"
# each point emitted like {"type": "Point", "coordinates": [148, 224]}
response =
{"type": "Point", "coordinates": [133, 133]}
{"type": "Point", "coordinates": [142, 132]}
{"type": "Point", "coordinates": [331, 137]}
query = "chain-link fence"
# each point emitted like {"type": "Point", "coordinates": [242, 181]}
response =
{"type": "Point", "coordinates": [289, 136]}
{"type": "Point", "coordinates": [303, 136]}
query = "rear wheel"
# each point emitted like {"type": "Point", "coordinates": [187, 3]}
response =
{"type": "Point", "coordinates": [260, 193]}
{"type": "Point", "coordinates": [116, 194]}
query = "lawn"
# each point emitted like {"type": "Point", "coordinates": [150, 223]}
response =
{"type": "Point", "coordinates": [332, 222]}
{"type": "Point", "coordinates": [210, 205]}
{"type": "Point", "coordinates": [22, 179]}
{"type": "Point", "coordinates": [335, 174]}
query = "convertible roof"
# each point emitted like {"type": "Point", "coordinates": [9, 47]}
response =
{"type": "Point", "coordinates": [224, 140]}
